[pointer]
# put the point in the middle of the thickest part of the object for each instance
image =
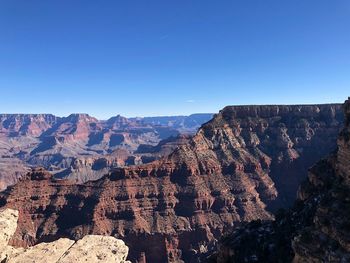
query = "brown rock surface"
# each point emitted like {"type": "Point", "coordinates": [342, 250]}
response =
{"type": "Point", "coordinates": [174, 208]}
{"type": "Point", "coordinates": [315, 230]}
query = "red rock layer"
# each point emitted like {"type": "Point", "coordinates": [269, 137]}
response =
{"type": "Point", "coordinates": [172, 209]}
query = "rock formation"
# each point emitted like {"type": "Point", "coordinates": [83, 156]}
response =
{"type": "Point", "coordinates": [316, 229]}
{"type": "Point", "coordinates": [244, 162]}
{"type": "Point", "coordinates": [77, 146]}
{"type": "Point", "coordinates": [91, 248]}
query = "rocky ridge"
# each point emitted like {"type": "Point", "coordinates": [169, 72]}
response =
{"type": "Point", "coordinates": [316, 229]}
{"type": "Point", "coordinates": [91, 248]}
{"type": "Point", "coordinates": [232, 171]}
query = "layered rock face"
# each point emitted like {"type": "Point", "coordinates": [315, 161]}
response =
{"type": "Point", "coordinates": [316, 229]}
{"type": "Point", "coordinates": [292, 137]}
{"type": "Point", "coordinates": [91, 248]}
{"type": "Point", "coordinates": [232, 171]}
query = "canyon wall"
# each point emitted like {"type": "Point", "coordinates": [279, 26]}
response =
{"type": "Point", "coordinates": [315, 229]}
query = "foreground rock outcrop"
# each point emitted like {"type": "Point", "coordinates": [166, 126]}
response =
{"type": "Point", "coordinates": [91, 248]}
{"type": "Point", "coordinates": [316, 229]}
{"type": "Point", "coordinates": [244, 163]}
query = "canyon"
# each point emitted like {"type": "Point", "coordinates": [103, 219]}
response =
{"type": "Point", "coordinates": [83, 148]}
{"type": "Point", "coordinates": [242, 165]}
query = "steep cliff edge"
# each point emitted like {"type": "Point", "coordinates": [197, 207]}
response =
{"type": "Point", "coordinates": [91, 248]}
{"type": "Point", "coordinates": [316, 229]}
{"type": "Point", "coordinates": [244, 162]}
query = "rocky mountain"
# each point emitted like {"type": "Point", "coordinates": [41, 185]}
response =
{"type": "Point", "coordinates": [316, 229]}
{"type": "Point", "coordinates": [78, 146]}
{"type": "Point", "coordinates": [91, 248]}
{"type": "Point", "coordinates": [244, 163]}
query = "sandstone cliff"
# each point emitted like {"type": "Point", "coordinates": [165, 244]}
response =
{"type": "Point", "coordinates": [316, 229]}
{"type": "Point", "coordinates": [91, 248]}
{"type": "Point", "coordinates": [246, 161]}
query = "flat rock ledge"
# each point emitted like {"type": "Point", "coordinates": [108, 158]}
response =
{"type": "Point", "coordinates": [89, 249]}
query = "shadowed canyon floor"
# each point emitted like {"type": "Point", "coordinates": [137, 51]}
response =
{"type": "Point", "coordinates": [244, 163]}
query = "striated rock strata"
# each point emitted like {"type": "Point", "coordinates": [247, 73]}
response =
{"type": "Point", "coordinates": [91, 248]}
{"type": "Point", "coordinates": [246, 161]}
{"type": "Point", "coordinates": [316, 229]}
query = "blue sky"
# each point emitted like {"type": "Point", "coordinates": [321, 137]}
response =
{"type": "Point", "coordinates": [144, 58]}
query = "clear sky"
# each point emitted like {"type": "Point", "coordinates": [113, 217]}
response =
{"type": "Point", "coordinates": [168, 57]}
